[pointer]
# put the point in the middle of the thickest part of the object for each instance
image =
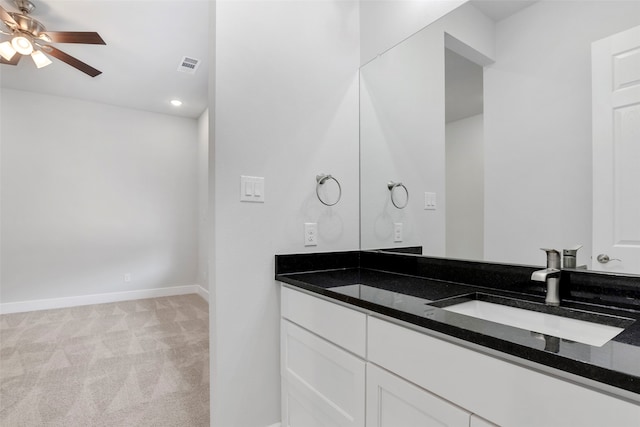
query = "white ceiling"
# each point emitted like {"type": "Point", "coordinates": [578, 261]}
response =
{"type": "Point", "coordinates": [501, 9]}
{"type": "Point", "coordinates": [146, 39]}
{"type": "Point", "coordinates": [145, 42]}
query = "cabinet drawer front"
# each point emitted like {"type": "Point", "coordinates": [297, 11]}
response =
{"type": "Point", "coordinates": [340, 325]}
{"type": "Point", "coordinates": [499, 391]}
{"type": "Point", "coordinates": [393, 402]}
{"type": "Point", "coordinates": [329, 378]}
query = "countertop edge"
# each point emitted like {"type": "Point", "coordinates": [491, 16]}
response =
{"type": "Point", "coordinates": [595, 377]}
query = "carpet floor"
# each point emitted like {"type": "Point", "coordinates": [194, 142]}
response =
{"type": "Point", "coordinates": [130, 363]}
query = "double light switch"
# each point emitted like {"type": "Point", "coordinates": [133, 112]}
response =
{"type": "Point", "coordinates": [251, 189]}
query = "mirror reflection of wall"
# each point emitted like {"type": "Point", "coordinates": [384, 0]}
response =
{"type": "Point", "coordinates": [402, 130]}
{"type": "Point", "coordinates": [537, 118]}
{"type": "Point", "coordinates": [464, 157]}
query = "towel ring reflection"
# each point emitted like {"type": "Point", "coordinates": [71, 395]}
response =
{"type": "Point", "coordinates": [392, 186]}
{"type": "Point", "coordinates": [320, 180]}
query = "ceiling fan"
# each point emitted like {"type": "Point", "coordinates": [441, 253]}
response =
{"type": "Point", "coordinates": [30, 37]}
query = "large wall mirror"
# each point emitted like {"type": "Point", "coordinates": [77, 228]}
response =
{"type": "Point", "coordinates": [488, 117]}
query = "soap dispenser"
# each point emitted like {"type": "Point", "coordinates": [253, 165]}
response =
{"type": "Point", "coordinates": [569, 257]}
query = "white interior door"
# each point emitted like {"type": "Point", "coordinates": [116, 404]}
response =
{"type": "Point", "coordinates": [616, 152]}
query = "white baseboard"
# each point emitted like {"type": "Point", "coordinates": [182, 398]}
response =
{"type": "Point", "coordinates": [204, 293]}
{"type": "Point", "coordinates": [46, 304]}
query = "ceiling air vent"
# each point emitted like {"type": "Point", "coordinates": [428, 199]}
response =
{"type": "Point", "coordinates": [188, 65]}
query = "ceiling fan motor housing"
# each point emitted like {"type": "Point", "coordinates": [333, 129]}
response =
{"type": "Point", "coordinates": [25, 6]}
{"type": "Point", "coordinates": [27, 24]}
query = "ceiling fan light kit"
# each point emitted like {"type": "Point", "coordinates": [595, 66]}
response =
{"type": "Point", "coordinates": [22, 45]}
{"type": "Point", "coordinates": [30, 37]}
{"type": "Point", "coordinates": [7, 51]}
{"type": "Point", "coordinates": [40, 59]}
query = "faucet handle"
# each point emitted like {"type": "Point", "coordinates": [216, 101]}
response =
{"type": "Point", "coordinates": [571, 251]}
{"type": "Point", "coordinates": [550, 251]}
{"type": "Point", "coordinates": [569, 257]}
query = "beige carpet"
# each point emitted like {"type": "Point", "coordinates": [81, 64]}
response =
{"type": "Point", "coordinates": [132, 363]}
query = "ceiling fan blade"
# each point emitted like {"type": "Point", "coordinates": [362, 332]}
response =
{"type": "Point", "coordinates": [4, 15]}
{"type": "Point", "coordinates": [14, 61]}
{"type": "Point", "coordinates": [76, 63]}
{"type": "Point", "coordinates": [83, 37]}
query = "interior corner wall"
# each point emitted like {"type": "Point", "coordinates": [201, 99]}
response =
{"type": "Point", "coordinates": [286, 109]}
{"type": "Point", "coordinates": [538, 134]}
{"type": "Point", "coordinates": [203, 199]}
{"type": "Point", "coordinates": [91, 192]}
{"type": "Point", "coordinates": [385, 23]}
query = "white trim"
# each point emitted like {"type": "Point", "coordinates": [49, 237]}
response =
{"type": "Point", "coordinates": [46, 304]}
{"type": "Point", "coordinates": [204, 293]}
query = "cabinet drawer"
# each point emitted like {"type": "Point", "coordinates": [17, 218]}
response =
{"type": "Point", "coordinates": [340, 325]}
{"type": "Point", "coordinates": [322, 383]}
{"type": "Point", "coordinates": [500, 391]}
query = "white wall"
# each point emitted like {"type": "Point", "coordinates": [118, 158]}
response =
{"type": "Point", "coordinates": [538, 127]}
{"type": "Point", "coordinates": [465, 188]}
{"type": "Point", "coordinates": [203, 199]}
{"type": "Point", "coordinates": [402, 131]}
{"type": "Point", "coordinates": [91, 192]}
{"type": "Point", "coordinates": [286, 109]}
{"type": "Point", "coordinates": [385, 23]}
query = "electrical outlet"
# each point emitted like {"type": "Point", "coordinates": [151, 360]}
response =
{"type": "Point", "coordinates": [397, 232]}
{"type": "Point", "coordinates": [311, 234]}
{"type": "Point", "coordinates": [127, 277]}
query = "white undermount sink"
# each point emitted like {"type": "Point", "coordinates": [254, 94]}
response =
{"type": "Point", "coordinates": [586, 332]}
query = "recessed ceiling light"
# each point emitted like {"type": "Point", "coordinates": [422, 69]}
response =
{"type": "Point", "coordinates": [176, 102]}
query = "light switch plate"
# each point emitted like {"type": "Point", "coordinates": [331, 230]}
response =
{"type": "Point", "coordinates": [430, 201]}
{"type": "Point", "coordinates": [251, 189]}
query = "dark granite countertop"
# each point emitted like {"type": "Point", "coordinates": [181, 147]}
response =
{"type": "Point", "coordinates": [412, 289]}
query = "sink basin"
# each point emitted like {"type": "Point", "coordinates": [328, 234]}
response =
{"type": "Point", "coordinates": [594, 329]}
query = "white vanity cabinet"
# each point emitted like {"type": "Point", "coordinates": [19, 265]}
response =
{"type": "Point", "coordinates": [329, 353]}
{"type": "Point", "coordinates": [491, 388]}
{"type": "Point", "coordinates": [322, 362]}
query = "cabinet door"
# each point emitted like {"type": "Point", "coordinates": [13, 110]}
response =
{"type": "Point", "coordinates": [394, 402]}
{"type": "Point", "coordinates": [300, 408]}
{"type": "Point", "coordinates": [323, 384]}
{"type": "Point", "coordinates": [476, 421]}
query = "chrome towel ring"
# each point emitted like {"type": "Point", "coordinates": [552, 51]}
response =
{"type": "Point", "coordinates": [321, 180]}
{"type": "Point", "coordinates": [392, 186]}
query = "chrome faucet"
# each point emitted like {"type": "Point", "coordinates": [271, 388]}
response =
{"type": "Point", "coordinates": [551, 276]}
